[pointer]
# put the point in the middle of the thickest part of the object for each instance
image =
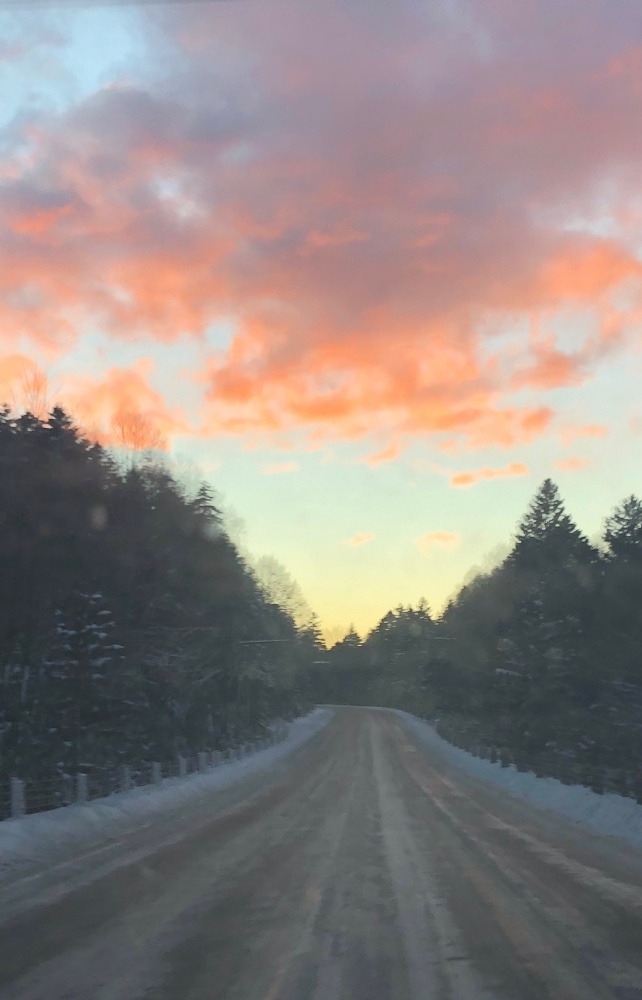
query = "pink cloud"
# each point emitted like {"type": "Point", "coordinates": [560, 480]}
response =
{"type": "Point", "coordinates": [340, 236]}
{"type": "Point", "coordinates": [370, 194]}
{"type": "Point", "coordinates": [570, 434]}
{"type": "Point", "coordinates": [479, 475]}
{"type": "Point", "coordinates": [14, 372]}
{"type": "Point", "coordinates": [122, 408]}
{"type": "Point", "coordinates": [387, 454]}
{"type": "Point", "coordinates": [361, 538]}
{"type": "Point", "coordinates": [431, 540]}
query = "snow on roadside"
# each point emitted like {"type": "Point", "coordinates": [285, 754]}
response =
{"type": "Point", "coordinates": [610, 814]}
{"type": "Point", "coordinates": [39, 837]}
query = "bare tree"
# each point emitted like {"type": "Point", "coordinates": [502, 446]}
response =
{"type": "Point", "coordinates": [32, 392]}
{"type": "Point", "coordinates": [136, 431]}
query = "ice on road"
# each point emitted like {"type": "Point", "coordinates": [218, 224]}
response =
{"type": "Point", "coordinates": [365, 867]}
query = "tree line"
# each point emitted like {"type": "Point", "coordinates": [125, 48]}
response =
{"type": "Point", "coordinates": [537, 663]}
{"type": "Point", "coordinates": [131, 628]}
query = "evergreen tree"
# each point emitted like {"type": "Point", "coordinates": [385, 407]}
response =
{"type": "Point", "coordinates": [80, 695]}
{"type": "Point", "coordinates": [555, 574]}
{"type": "Point", "coordinates": [547, 536]}
{"type": "Point", "coordinates": [121, 557]}
{"type": "Point", "coordinates": [617, 637]}
{"type": "Point", "coordinates": [623, 531]}
{"type": "Point", "coordinates": [352, 640]}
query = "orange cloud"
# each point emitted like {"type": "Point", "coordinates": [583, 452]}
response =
{"type": "Point", "coordinates": [13, 369]}
{"type": "Point", "coordinates": [367, 270]}
{"type": "Point", "coordinates": [344, 393]}
{"type": "Point", "coordinates": [550, 369]}
{"type": "Point", "coordinates": [122, 409]}
{"type": "Point", "coordinates": [427, 542]}
{"type": "Point", "coordinates": [387, 454]}
{"type": "Point", "coordinates": [478, 475]}
{"type": "Point", "coordinates": [588, 271]}
{"type": "Point", "coordinates": [570, 434]}
{"type": "Point", "coordinates": [362, 538]}
{"type": "Point", "coordinates": [571, 464]}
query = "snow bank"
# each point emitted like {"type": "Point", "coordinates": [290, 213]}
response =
{"type": "Point", "coordinates": [41, 837]}
{"type": "Point", "coordinates": [610, 814]}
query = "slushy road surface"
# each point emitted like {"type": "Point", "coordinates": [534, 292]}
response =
{"type": "Point", "coordinates": [366, 868]}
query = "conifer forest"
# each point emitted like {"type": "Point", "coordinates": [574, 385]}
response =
{"type": "Point", "coordinates": [132, 629]}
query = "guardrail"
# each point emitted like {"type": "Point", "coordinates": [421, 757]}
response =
{"type": "Point", "coordinates": [572, 766]}
{"type": "Point", "coordinates": [22, 796]}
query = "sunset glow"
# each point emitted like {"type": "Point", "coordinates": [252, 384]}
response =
{"type": "Point", "coordinates": [376, 268]}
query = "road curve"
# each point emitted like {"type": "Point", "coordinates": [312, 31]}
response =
{"type": "Point", "coordinates": [365, 870]}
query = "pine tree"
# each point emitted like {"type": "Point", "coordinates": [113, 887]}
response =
{"type": "Point", "coordinates": [623, 531]}
{"type": "Point", "coordinates": [547, 536]}
{"type": "Point", "coordinates": [81, 686]}
{"type": "Point", "coordinates": [537, 666]}
{"type": "Point", "coordinates": [617, 633]}
{"type": "Point", "coordinates": [311, 636]}
{"type": "Point", "coordinates": [352, 638]}
{"type": "Point", "coordinates": [189, 611]}
{"type": "Point", "coordinates": [204, 509]}
{"type": "Point", "coordinates": [555, 572]}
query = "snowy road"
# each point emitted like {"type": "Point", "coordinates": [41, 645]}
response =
{"type": "Point", "coordinates": [365, 869]}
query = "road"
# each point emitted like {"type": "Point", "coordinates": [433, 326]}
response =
{"type": "Point", "coordinates": [365, 869]}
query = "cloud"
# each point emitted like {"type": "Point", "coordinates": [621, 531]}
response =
{"type": "Point", "coordinates": [122, 409]}
{"type": "Point", "coordinates": [361, 538]}
{"type": "Point", "coordinates": [387, 454]}
{"type": "Point", "coordinates": [279, 468]}
{"type": "Point", "coordinates": [340, 236]}
{"type": "Point", "coordinates": [431, 540]}
{"type": "Point", "coordinates": [372, 196]}
{"type": "Point", "coordinates": [570, 434]}
{"type": "Point", "coordinates": [14, 369]}
{"type": "Point", "coordinates": [479, 475]}
{"type": "Point", "coordinates": [571, 464]}
{"type": "Point", "coordinates": [118, 408]}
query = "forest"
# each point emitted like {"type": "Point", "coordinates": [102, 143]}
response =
{"type": "Point", "coordinates": [537, 663]}
{"type": "Point", "coordinates": [131, 628]}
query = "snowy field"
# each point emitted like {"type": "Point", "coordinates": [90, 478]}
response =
{"type": "Point", "coordinates": [41, 837]}
{"type": "Point", "coordinates": [609, 814]}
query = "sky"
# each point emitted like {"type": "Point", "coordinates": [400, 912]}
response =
{"type": "Point", "coordinates": [375, 267]}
